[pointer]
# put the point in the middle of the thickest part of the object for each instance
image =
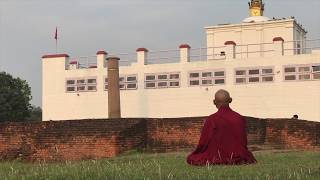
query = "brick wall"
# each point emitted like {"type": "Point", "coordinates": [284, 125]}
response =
{"type": "Point", "coordinates": [94, 139]}
{"type": "Point", "coordinates": [72, 140]}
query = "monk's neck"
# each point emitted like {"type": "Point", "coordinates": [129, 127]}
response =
{"type": "Point", "coordinates": [223, 108]}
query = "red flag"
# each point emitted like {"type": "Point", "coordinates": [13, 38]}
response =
{"type": "Point", "coordinates": [56, 34]}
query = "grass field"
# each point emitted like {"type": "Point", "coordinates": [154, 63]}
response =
{"type": "Point", "coordinates": [271, 165]}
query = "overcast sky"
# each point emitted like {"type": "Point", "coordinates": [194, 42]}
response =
{"type": "Point", "coordinates": [84, 26]}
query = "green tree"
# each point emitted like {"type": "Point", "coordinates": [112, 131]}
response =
{"type": "Point", "coordinates": [15, 96]}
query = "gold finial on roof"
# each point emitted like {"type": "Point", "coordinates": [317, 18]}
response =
{"type": "Point", "coordinates": [256, 7]}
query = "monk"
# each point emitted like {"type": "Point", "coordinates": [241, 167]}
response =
{"type": "Point", "coordinates": [223, 138]}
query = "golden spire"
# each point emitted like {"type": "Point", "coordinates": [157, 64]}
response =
{"type": "Point", "coordinates": [256, 7]}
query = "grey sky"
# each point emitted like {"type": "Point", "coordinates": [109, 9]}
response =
{"type": "Point", "coordinates": [85, 26]}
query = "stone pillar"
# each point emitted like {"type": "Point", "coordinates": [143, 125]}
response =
{"type": "Point", "coordinates": [230, 49]}
{"type": "Point", "coordinates": [113, 88]}
{"type": "Point", "coordinates": [278, 46]}
{"type": "Point", "coordinates": [101, 57]}
{"type": "Point", "coordinates": [142, 55]}
{"type": "Point", "coordinates": [184, 53]}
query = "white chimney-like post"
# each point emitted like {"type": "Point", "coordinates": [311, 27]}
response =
{"type": "Point", "coordinates": [184, 53]}
{"type": "Point", "coordinates": [142, 56]}
{"type": "Point", "coordinates": [74, 64]}
{"type": "Point", "coordinates": [101, 57]}
{"type": "Point", "coordinates": [278, 46]}
{"type": "Point", "coordinates": [230, 49]}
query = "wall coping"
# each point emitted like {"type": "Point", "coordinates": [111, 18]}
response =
{"type": "Point", "coordinates": [230, 43]}
{"type": "Point", "coordinates": [54, 56]}
{"type": "Point", "coordinates": [142, 49]}
{"type": "Point", "coordinates": [184, 46]}
{"type": "Point", "coordinates": [278, 39]}
{"type": "Point", "coordinates": [102, 52]}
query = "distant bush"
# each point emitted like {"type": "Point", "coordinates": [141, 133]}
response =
{"type": "Point", "coordinates": [35, 114]}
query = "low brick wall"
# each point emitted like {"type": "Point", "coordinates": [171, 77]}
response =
{"type": "Point", "coordinates": [95, 139]}
{"type": "Point", "coordinates": [70, 140]}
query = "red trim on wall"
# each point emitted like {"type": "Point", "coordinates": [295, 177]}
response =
{"type": "Point", "coordinates": [55, 56]}
{"type": "Point", "coordinates": [184, 46]}
{"type": "Point", "coordinates": [230, 43]}
{"type": "Point", "coordinates": [278, 39]}
{"type": "Point", "coordinates": [142, 49]}
{"type": "Point", "coordinates": [93, 66]}
{"type": "Point", "coordinates": [102, 52]}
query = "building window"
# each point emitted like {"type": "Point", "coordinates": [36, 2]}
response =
{"type": "Point", "coordinates": [150, 78]}
{"type": "Point", "coordinates": [254, 75]}
{"type": "Point", "coordinates": [131, 82]}
{"type": "Point", "coordinates": [162, 80]}
{"type": "Point", "coordinates": [71, 82]}
{"type": "Point", "coordinates": [81, 84]}
{"type": "Point", "coordinates": [126, 82]}
{"type": "Point", "coordinates": [81, 81]}
{"type": "Point", "coordinates": [92, 81]}
{"type": "Point", "coordinates": [194, 75]}
{"type": "Point", "coordinates": [150, 85]}
{"type": "Point", "coordinates": [302, 72]}
{"type": "Point", "coordinates": [267, 75]}
{"type": "Point", "coordinates": [290, 70]}
{"type": "Point", "coordinates": [71, 88]}
{"type": "Point", "coordinates": [207, 78]}
{"type": "Point", "coordinates": [91, 84]}
{"type": "Point", "coordinates": [92, 88]}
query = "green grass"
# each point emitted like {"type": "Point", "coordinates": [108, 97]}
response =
{"type": "Point", "coordinates": [271, 165]}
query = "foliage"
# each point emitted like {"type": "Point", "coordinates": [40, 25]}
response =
{"type": "Point", "coordinates": [271, 165]}
{"type": "Point", "coordinates": [35, 114]}
{"type": "Point", "coordinates": [15, 96]}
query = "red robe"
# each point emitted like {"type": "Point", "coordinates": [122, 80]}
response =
{"type": "Point", "coordinates": [223, 140]}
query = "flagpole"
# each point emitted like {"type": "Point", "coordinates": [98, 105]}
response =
{"type": "Point", "coordinates": [56, 38]}
{"type": "Point", "coordinates": [56, 46]}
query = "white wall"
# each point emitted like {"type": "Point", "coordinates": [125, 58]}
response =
{"type": "Point", "coordinates": [258, 36]}
{"type": "Point", "coordinates": [266, 100]}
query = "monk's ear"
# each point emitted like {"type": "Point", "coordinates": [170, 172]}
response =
{"type": "Point", "coordinates": [214, 102]}
{"type": "Point", "coordinates": [230, 100]}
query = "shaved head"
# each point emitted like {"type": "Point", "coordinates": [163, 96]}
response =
{"type": "Point", "coordinates": [222, 98]}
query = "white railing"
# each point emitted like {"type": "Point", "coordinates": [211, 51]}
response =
{"type": "Point", "coordinates": [163, 56]}
{"type": "Point", "coordinates": [208, 53]}
{"type": "Point", "coordinates": [125, 58]}
{"type": "Point", "coordinates": [84, 62]}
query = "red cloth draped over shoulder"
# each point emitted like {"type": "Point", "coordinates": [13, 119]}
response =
{"type": "Point", "coordinates": [223, 140]}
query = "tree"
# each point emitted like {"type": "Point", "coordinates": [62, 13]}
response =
{"type": "Point", "coordinates": [35, 114]}
{"type": "Point", "coordinates": [15, 96]}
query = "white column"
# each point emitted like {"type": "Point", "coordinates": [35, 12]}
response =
{"type": "Point", "coordinates": [142, 55]}
{"type": "Point", "coordinates": [230, 49]}
{"type": "Point", "coordinates": [101, 57]}
{"type": "Point", "coordinates": [184, 53]}
{"type": "Point", "coordinates": [278, 46]}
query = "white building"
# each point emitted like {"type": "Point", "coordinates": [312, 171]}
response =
{"type": "Point", "coordinates": [267, 65]}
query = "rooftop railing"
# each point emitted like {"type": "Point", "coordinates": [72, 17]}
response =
{"type": "Point", "coordinates": [187, 54]}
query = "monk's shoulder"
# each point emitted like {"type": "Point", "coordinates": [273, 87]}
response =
{"type": "Point", "coordinates": [212, 117]}
{"type": "Point", "coordinates": [237, 114]}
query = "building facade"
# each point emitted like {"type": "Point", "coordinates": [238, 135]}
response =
{"type": "Point", "coordinates": [268, 66]}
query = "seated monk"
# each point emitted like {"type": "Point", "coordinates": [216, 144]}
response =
{"type": "Point", "coordinates": [223, 138]}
